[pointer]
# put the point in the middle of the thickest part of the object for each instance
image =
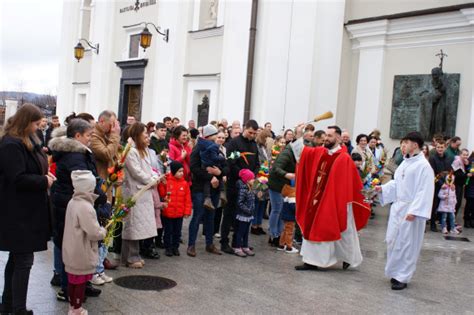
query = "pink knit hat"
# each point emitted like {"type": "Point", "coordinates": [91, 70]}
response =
{"type": "Point", "coordinates": [246, 175]}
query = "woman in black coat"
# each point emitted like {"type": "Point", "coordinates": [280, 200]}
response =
{"type": "Point", "coordinates": [24, 215]}
{"type": "Point", "coordinates": [70, 152]}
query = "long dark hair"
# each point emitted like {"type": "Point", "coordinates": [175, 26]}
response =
{"type": "Point", "coordinates": [18, 125]}
{"type": "Point", "coordinates": [135, 132]}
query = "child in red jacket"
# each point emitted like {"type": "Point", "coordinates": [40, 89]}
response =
{"type": "Point", "coordinates": [177, 197]}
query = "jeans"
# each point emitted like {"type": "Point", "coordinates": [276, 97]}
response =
{"type": "Point", "coordinates": [206, 215]}
{"type": "Point", "coordinates": [241, 235]}
{"type": "Point", "coordinates": [17, 276]}
{"type": "Point", "coordinates": [228, 219]}
{"type": "Point", "coordinates": [102, 255]}
{"type": "Point", "coordinates": [57, 260]}
{"type": "Point", "coordinates": [275, 221]}
{"type": "Point", "coordinates": [450, 217]}
{"type": "Point", "coordinates": [172, 233]}
{"type": "Point", "coordinates": [260, 206]}
{"type": "Point", "coordinates": [58, 254]}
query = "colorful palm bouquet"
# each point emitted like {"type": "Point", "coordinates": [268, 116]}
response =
{"type": "Point", "coordinates": [115, 173]}
{"type": "Point", "coordinates": [368, 190]}
{"type": "Point", "coordinates": [261, 182]}
{"type": "Point", "coordinates": [471, 171]}
{"type": "Point", "coordinates": [276, 150]}
{"type": "Point", "coordinates": [121, 209]}
{"type": "Point", "coordinates": [236, 155]}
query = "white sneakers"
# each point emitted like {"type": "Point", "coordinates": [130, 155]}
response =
{"type": "Point", "coordinates": [291, 250]}
{"type": "Point", "coordinates": [77, 311]}
{"type": "Point", "coordinates": [101, 278]}
{"type": "Point", "coordinates": [453, 231]}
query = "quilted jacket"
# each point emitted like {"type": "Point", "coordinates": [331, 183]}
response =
{"type": "Point", "coordinates": [178, 195]}
{"type": "Point", "coordinates": [140, 223]}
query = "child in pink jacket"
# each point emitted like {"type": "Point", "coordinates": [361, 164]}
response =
{"type": "Point", "coordinates": [447, 205]}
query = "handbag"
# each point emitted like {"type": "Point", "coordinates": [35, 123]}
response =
{"type": "Point", "coordinates": [288, 191]}
{"type": "Point", "coordinates": [391, 166]}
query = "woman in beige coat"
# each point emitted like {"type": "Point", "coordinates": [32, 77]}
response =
{"type": "Point", "coordinates": [367, 157]}
{"type": "Point", "coordinates": [140, 223]}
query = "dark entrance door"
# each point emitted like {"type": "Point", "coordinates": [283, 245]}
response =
{"type": "Point", "coordinates": [203, 111]}
{"type": "Point", "coordinates": [131, 83]}
{"type": "Point", "coordinates": [133, 102]}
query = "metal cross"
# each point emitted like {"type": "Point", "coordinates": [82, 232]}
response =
{"type": "Point", "coordinates": [441, 56]}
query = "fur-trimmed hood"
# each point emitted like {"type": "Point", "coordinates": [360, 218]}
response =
{"type": "Point", "coordinates": [60, 143]}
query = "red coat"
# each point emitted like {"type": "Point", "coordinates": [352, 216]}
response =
{"type": "Point", "coordinates": [175, 155]}
{"type": "Point", "coordinates": [325, 220]}
{"type": "Point", "coordinates": [178, 195]}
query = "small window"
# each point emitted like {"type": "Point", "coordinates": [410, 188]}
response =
{"type": "Point", "coordinates": [134, 46]}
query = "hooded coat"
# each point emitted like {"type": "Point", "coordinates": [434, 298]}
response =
{"type": "Point", "coordinates": [69, 155]}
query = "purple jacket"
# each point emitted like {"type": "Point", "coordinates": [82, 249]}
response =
{"type": "Point", "coordinates": [447, 198]}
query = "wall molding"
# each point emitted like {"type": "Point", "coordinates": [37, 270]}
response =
{"type": "Point", "coordinates": [208, 32]}
{"type": "Point", "coordinates": [456, 27]}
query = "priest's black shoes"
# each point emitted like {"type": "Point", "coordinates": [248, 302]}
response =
{"type": "Point", "coordinates": [306, 266]}
{"type": "Point", "coordinates": [345, 265]}
{"type": "Point", "coordinates": [397, 285]}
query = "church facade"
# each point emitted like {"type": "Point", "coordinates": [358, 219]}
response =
{"type": "Point", "coordinates": [278, 61]}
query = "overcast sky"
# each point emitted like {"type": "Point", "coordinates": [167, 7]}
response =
{"type": "Point", "coordinates": [29, 45]}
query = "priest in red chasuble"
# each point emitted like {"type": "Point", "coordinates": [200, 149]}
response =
{"type": "Point", "coordinates": [329, 205]}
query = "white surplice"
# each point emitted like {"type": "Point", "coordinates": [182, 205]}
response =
{"type": "Point", "coordinates": [326, 254]}
{"type": "Point", "coordinates": [411, 192]}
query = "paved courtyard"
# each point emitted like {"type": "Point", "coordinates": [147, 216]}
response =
{"type": "Point", "coordinates": [268, 283]}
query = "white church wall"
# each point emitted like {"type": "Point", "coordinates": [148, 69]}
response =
{"type": "Point", "coordinates": [167, 86]}
{"type": "Point", "coordinates": [421, 61]}
{"type": "Point", "coordinates": [407, 46]}
{"type": "Point", "coordinates": [67, 63]}
{"type": "Point", "coordinates": [234, 59]}
{"type": "Point", "coordinates": [347, 90]}
{"type": "Point", "coordinates": [271, 63]}
{"type": "Point", "coordinates": [359, 9]}
{"type": "Point", "coordinates": [204, 55]}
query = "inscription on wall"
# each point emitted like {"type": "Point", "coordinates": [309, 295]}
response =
{"type": "Point", "coordinates": [137, 6]}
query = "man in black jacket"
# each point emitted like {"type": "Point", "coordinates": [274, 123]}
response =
{"type": "Point", "coordinates": [441, 165]}
{"type": "Point", "coordinates": [44, 134]}
{"type": "Point", "coordinates": [209, 176]}
{"type": "Point", "coordinates": [242, 143]}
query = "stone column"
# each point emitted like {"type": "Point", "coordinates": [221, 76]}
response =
{"type": "Point", "coordinates": [370, 41]}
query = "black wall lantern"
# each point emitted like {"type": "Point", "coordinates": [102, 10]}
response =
{"type": "Point", "coordinates": [79, 49]}
{"type": "Point", "coordinates": [145, 35]}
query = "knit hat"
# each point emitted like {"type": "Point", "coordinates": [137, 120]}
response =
{"type": "Point", "coordinates": [175, 166]}
{"type": "Point", "coordinates": [209, 130]}
{"type": "Point", "coordinates": [246, 175]}
{"type": "Point", "coordinates": [83, 181]}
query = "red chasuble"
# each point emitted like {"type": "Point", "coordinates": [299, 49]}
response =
{"type": "Point", "coordinates": [325, 185]}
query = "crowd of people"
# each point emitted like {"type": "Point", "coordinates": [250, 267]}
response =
{"type": "Point", "coordinates": [227, 177]}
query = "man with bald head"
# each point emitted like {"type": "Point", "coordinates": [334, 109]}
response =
{"type": "Point", "coordinates": [346, 140]}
